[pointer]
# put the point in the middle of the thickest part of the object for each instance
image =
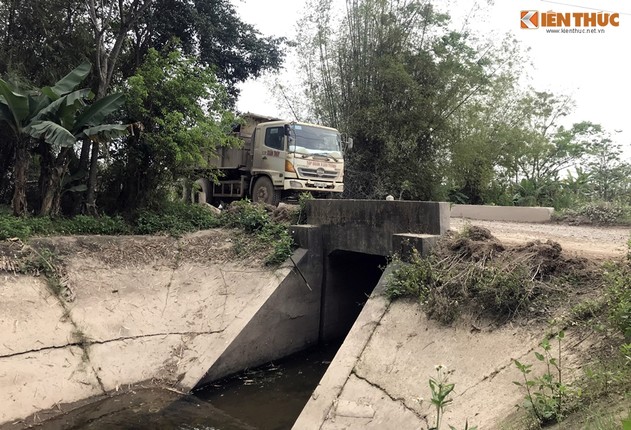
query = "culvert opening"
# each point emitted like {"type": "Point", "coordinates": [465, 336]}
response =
{"type": "Point", "coordinates": [349, 279]}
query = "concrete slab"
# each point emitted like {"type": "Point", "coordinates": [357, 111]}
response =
{"type": "Point", "coordinates": [150, 310]}
{"type": "Point", "coordinates": [379, 377]}
{"type": "Point", "coordinates": [42, 380]}
{"type": "Point", "coordinates": [326, 394]}
{"type": "Point", "coordinates": [287, 322]}
{"type": "Point", "coordinates": [404, 243]}
{"type": "Point", "coordinates": [31, 318]}
{"type": "Point", "coordinates": [115, 303]}
{"type": "Point", "coordinates": [363, 405]}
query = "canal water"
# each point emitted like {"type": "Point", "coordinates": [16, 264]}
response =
{"type": "Point", "coordinates": [270, 397]}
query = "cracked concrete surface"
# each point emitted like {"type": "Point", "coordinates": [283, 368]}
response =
{"type": "Point", "coordinates": [379, 377]}
{"type": "Point", "coordinates": [146, 309]}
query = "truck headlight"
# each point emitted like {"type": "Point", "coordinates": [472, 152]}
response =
{"type": "Point", "coordinates": [295, 184]}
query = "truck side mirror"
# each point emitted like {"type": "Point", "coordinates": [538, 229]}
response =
{"type": "Point", "coordinates": [287, 130]}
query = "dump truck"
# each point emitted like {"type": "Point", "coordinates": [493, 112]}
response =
{"type": "Point", "coordinates": [277, 161]}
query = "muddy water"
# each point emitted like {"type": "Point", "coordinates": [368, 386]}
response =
{"type": "Point", "coordinates": [267, 398]}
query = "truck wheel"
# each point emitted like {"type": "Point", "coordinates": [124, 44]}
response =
{"type": "Point", "coordinates": [264, 192]}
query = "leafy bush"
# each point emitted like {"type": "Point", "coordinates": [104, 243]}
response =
{"type": "Point", "coordinates": [175, 218]}
{"type": "Point", "coordinates": [503, 292]}
{"type": "Point", "coordinates": [243, 214]}
{"type": "Point", "coordinates": [618, 278]}
{"type": "Point", "coordinates": [268, 234]}
{"type": "Point", "coordinates": [23, 228]}
{"type": "Point", "coordinates": [301, 216]}
{"type": "Point", "coordinates": [412, 279]}
{"type": "Point", "coordinates": [11, 226]}
{"type": "Point", "coordinates": [83, 224]}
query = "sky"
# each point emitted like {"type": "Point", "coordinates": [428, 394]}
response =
{"type": "Point", "coordinates": [594, 69]}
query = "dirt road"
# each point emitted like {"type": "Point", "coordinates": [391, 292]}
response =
{"type": "Point", "coordinates": [588, 241]}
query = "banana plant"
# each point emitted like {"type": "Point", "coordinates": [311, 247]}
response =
{"type": "Point", "coordinates": [59, 116]}
{"type": "Point", "coordinates": [18, 108]}
{"type": "Point", "coordinates": [62, 124]}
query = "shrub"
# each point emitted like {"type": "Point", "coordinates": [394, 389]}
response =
{"type": "Point", "coordinates": [83, 224]}
{"type": "Point", "coordinates": [267, 234]}
{"type": "Point", "coordinates": [601, 213]}
{"type": "Point", "coordinates": [503, 292]}
{"type": "Point", "coordinates": [175, 218]}
{"type": "Point", "coordinates": [11, 226]}
{"type": "Point", "coordinates": [618, 278]}
{"type": "Point", "coordinates": [413, 279]}
{"type": "Point", "coordinates": [246, 215]}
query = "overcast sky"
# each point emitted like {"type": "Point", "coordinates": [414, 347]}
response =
{"type": "Point", "coordinates": [592, 68]}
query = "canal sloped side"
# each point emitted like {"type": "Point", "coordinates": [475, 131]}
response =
{"type": "Point", "coordinates": [155, 310]}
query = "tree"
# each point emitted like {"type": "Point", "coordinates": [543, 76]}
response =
{"type": "Point", "coordinates": [54, 33]}
{"type": "Point", "coordinates": [56, 117]}
{"type": "Point", "coordinates": [59, 127]}
{"type": "Point", "coordinates": [392, 75]}
{"type": "Point", "coordinates": [180, 106]}
{"type": "Point", "coordinates": [20, 109]}
{"type": "Point", "coordinates": [607, 172]}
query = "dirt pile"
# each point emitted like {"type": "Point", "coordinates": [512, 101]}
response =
{"type": "Point", "coordinates": [476, 273]}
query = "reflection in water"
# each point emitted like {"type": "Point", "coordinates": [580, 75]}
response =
{"type": "Point", "coordinates": [267, 398]}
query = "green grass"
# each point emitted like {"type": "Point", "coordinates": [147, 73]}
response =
{"type": "Point", "coordinates": [172, 218]}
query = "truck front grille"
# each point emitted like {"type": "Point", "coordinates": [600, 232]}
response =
{"type": "Point", "coordinates": [320, 173]}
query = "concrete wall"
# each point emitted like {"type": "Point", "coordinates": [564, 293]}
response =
{"type": "Point", "coordinates": [502, 213]}
{"type": "Point", "coordinates": [368, 225]}
{"type": "Point", "coordinates": [286, 323]}
{"type": "Point", "coordinates": [324, 398]}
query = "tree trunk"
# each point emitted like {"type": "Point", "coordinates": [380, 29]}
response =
{"type": "Point", "coordinates": [90, 203]}
{"type": "Point", "coordinates": [51, 194]}
{"type": "Point", "coordinates": [7, 155]}
{"type": "Point", "coordinates": [20, 171]}
{"type": "Point", "coordinates": [46, 164]}
{"type": "Point", "coordinates": [84, 158]}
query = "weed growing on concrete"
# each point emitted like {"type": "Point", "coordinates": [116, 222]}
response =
{"type": "Point", "coordinates": [441, 388]}
{"type": "Point", "coordinates": [547, 396]}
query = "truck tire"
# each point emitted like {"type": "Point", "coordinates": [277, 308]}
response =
{"type": "Point", "coordinates": [264, 192]}
{"type": "Point", "coordinates": [206, 187]}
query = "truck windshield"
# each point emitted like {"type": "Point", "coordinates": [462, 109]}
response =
{"type": "Point", "coordinates": [309, 140]}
